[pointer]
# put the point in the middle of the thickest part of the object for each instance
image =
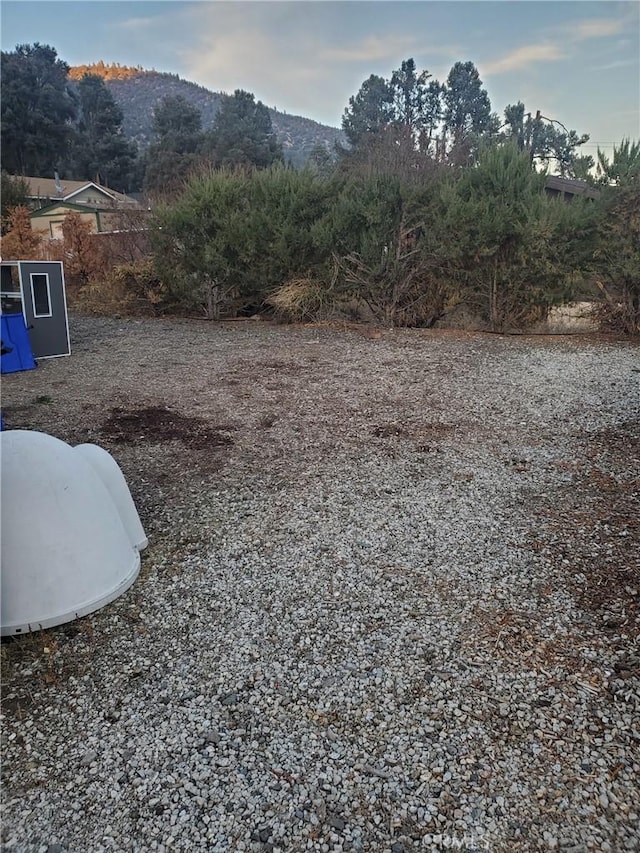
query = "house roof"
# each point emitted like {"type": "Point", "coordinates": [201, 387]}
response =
{"type": "Point", "coordinates": [48, 209]}
{"type": "Point", "coordinates": [46, 188]}
{"type": "Point", "coordinates": [571, 186]}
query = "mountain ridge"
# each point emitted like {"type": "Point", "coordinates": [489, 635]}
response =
{"type": "Point", "coordinates": [137, 90]}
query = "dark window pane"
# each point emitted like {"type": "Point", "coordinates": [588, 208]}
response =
{"type": "Point", "coordinates": [10, 280]}
{"type": "Point", "coordinates": [40, 289]}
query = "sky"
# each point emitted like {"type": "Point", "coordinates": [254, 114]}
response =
{"type": "Point", "coordinates": [577, 62]}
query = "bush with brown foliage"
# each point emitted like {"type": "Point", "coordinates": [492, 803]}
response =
{"type": "Point", "coordinates": [20, 243]}
{"type": "Point", "coordinates": [125, 289]}
{"type": "Point", "coordinates": [81, 256]}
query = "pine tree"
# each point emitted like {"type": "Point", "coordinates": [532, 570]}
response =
{"type": "Point", "coordinates": [505, 241]}
{"type": "Point", "coordinates": [370, 110]}
{"type": "Point", "coordinates": [101, 151]}
{"type": "Point", "coordinates": [467, 106]}
{"type": "Point", "coordinates": [243, 134]}
{"type": "Point", "coordinates": [37, 109]}
{"type": "Point", "coordinates": [176, 151]}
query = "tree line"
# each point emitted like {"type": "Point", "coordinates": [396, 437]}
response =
{"type": "Point", "coordinates": [56, 120]}
{"type": "Point", "coordinates": [447, 121]}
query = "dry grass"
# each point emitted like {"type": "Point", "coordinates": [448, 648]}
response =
{"type": "Point", "coordinates": [304, 300]}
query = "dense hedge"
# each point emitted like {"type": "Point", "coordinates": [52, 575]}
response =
{"type": "Point", "coordinates": [400, 251]}
{"type": "Point", "coordinates": [386, 239]}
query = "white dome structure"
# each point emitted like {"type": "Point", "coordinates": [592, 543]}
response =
{"type": "Point", "coordinates": [107, 469]}
{"type": "Point", "coordinates": [71, 535]}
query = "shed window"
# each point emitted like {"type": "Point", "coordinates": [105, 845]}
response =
{"type": "Point", "coordinates": [10, 295]}
{"type": "Point", "coordinates": [40, 294]}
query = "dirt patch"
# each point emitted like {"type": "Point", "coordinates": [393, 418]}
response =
{"type": "Point", "coordinates": [623, 438]}
{"type": "Point", "coordinates": [159, 425]}
{"type": "Point", "coordinates": [595, 523]}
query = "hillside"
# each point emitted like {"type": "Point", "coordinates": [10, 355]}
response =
{"type": "Point", "coordinates": [137, 92]}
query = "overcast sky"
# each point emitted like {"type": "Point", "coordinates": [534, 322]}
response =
{"type": "Point", "coordinates": [578, 62]}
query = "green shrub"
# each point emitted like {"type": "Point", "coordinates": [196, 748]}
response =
{"type": "Point", "coordinates": [510, 250]}
{"type": "Point", "coordinates": [403, 251]}
{"type": "Point", "coordinates": [234, 236]}
{"type": "Point", "coordinates": [617, 257]}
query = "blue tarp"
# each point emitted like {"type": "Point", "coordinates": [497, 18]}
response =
{"type": "Point", "coordinates": [16, 347]}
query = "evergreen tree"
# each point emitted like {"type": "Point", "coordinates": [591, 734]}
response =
{"type": "Point", "coordinates": [100, 150]}
{"type": "Point", "coordinates": [545, 143]}
{"type": "Point", "coordinates": [243, 134]}
{"type": "Point", "coordinates": [37, 110]}
{"type": "Point", "coordinates": [321, 160]}
{"type": "Point", "coordinates": [409, 90]}
{"type": "Point", "coordinates": [235, 234]}
{"type": "Point", "coordinates": [511, 248]}
{"type": "Point", "coordinates": [175, 153]}
{"type": "Point", "coordinates": [406, 101]}
{"type": "Point", "coordinates": [431, 118]}
{"type": "Point", "coordinates": [617, 256]}
{"type": "Point", "coordinates": [177, 124]}
{"type": "Point", "coordinates": [370, 110]}
{"type": "Point", "coordinates": [467, 108]}
{"type": "Point", "coordinates": [624, 166]}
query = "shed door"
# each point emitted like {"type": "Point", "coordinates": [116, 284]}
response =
{"type": "Point", "coordinates": [45, 307]}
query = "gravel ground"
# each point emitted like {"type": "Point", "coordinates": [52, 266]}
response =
{"type": "Point", "coordinates": [390, 601]}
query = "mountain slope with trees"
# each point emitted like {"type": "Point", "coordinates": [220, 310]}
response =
{"type": "Point", "coordinates": [137, 92]}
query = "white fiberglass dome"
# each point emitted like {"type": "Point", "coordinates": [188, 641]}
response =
{"type": "Point", "coordinates": [71, 536]}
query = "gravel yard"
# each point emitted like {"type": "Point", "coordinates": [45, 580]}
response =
{"type": "Point", "coordinates": [390, 601]}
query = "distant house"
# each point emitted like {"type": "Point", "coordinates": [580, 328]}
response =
{"type": "Point", "coordinates": [48, 220]}
{"type": "Point", "coordinates": [569, 188]}
{"type": "Point", "coordinates": [44, 191]}
{"type": "Point", "coordinates": [51, 199]}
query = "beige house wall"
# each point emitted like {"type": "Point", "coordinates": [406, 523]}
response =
{"type": "Point", "coordinates": [49, 225]}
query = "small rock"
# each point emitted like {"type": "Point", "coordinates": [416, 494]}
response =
{"type": "Point", "coordinates": [336, 822]}
{"type": "Point", "coordinates": [263, 833]}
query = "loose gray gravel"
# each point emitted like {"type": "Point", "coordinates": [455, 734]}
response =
{"type": "Point", "coordinates": [392, 609]}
